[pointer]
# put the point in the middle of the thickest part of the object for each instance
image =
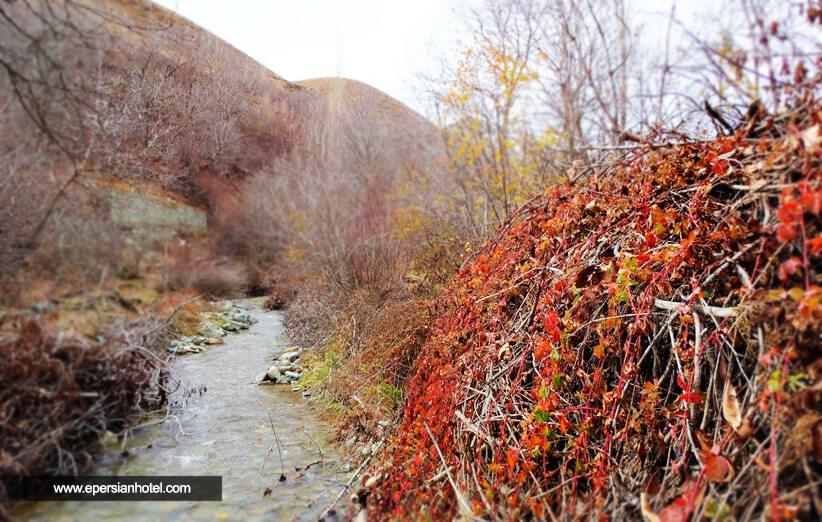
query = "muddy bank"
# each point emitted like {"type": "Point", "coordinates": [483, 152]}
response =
{"type": "Point", "coordinates": [226, 429]}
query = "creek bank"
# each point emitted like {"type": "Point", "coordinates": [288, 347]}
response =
{"type": "Point", "coordinates": [214, 327]}
{"type": "Point", "coordinates": [250, 435]}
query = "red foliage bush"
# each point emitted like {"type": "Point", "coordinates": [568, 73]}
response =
{"type": "Point", "coordinates": [644, 340]}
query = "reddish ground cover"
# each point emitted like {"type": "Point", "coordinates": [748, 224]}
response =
{"type": "Point", "coordinates": [645, 341]}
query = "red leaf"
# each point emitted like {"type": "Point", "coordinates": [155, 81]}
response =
{"type": "Point", "coordinates": [681, 382]}
{"type": "Point", "coordinates": [719, 167]}
{"type": "Point", "coordinates": [551, 324]}
{"type": "Point", "coordinates": [815, 244]}
{"type": "Point", "coordinates": [789, 268]}
{"type": "Point", "coordinates": [790, 212]}
{"type": "Point", "coordinates": [785, 233]}
{"type": "Point", "coordinates": [691, 398]}
{"type": "Point", "coordinates": [677, 511]}
{"type": "Point", "coordinates": [812, 201]}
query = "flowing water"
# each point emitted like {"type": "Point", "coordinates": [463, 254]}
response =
{"type": "Point", "coordinates": [225, 431]}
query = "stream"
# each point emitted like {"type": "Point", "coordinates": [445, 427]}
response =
{"type": "Point", "coordinates": [226, 431]}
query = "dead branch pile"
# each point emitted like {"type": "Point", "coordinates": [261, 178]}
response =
{"type": "Point", "coordinates": [60, 393]}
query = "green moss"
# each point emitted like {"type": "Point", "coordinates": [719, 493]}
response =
{"type": "Point", "coordinates": [318, 367]}
{"type": "Point", "coordinates": [390, 396]}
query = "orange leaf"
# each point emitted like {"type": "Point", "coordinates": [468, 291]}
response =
{"type": "Point", "coordinates": [815, 244]}
{"type": "Point", "coordinates": [717, 468]}
{"type": "Point", "coordinates": [703, 441]}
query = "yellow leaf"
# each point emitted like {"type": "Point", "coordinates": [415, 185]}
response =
{"type": "Point", "coordinates": [730, 407]}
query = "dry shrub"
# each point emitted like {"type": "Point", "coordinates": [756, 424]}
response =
{"type": "Point", "coordinates": [22, 198]}
{"type": "Point", "coordinates": [193, 266]}
{"type": "Point", "coordinates": [371, 359]}
{"type": "Point", "coordinates": [169, 103]}
{"type": "Point", "coordinates": [390, 345]}
{"type": "Point", "coordinates": [60, 393]}
{"type": "Point", "coordinates": [644, 342]}
{"type": "Point", "coordinates": [185, 310]}
{"type": "Point", "coordinates": [219, 279]}
{"type": "Point", "coordinates": [314, 315]}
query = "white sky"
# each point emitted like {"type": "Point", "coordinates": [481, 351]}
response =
{"type": "Point", "coordinates": [385, 43]}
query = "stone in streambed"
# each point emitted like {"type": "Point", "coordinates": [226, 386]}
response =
{"type": "Point", "coordinates": [181, 347]}
{"type": "Point", "coordinates": [273, 373]}
{"type": "Point", "coordinates": [241, 316]}
{"type": "Point", "coordinates": [231, 326]}
{"type": "Point", "coordinates": [209, 330]}
{"type": "Point", "coordinates": [234, 326]}
{"type": "Point", "coordinates": [289, 356]}
{"type": "Point", "coordinates": [294, 375]}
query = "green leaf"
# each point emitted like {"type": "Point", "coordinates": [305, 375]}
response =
{"type": "Point", "coordinates": [541, 416]}
{"type": "Point", "coordinates": [557, 381]}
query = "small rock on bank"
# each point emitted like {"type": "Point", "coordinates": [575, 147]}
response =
{"type": "Point", "coordinates": [284, 371]}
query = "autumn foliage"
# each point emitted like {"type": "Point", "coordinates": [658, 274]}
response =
{"type": "Point", "coordinates": [644, 342]}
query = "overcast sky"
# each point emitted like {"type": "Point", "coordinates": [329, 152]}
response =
{"type": "Point", "coordinates": [385, 43]}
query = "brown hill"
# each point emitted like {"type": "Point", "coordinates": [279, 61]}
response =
{"type": "Point", "coordinates": [339, 92]}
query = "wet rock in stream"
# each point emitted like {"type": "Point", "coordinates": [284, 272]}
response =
{"type": "Point", "coordinates": [273, 373]}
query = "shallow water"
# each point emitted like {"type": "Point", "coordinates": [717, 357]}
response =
{"type": "Point", "coordinates": [226, 431]}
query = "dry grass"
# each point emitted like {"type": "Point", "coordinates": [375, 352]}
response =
{"type": "Point", "coordinates": [363, 368]}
